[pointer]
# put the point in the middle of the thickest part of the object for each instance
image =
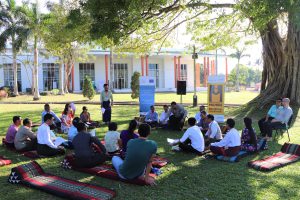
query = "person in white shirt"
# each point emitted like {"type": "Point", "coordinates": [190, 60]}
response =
{"type": "Point", "coordinates": [46, 146]}
{"type": "Point", "coordinates": [214, 132]}
{"type": "Point", "coordinates": [164, 116]}
{"type": "Point", "coordinates": [113, 142]}
{"type": "Point", "coordinates": [198, 115]}
{"type": "Point", "coordinates": [192, 139]}
{"type": "Point", "coordinates": [230, 145]}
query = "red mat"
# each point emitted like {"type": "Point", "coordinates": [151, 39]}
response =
{"type": "Point", "coordinates": [4, 161]}
{"type": "Point", "coordinates": [104, 170]}
{"type": "Point", "coordinates": [32, 175]}
{"type": "Point", "coordinates": [290, 153]}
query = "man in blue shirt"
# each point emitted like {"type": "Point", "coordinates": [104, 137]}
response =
{"type": "Point", "coordinates": [152, 117]}
{"type": "Point", "coordinates": [281, 120]}
{"type": "Point", "coordinates": [272, 113]}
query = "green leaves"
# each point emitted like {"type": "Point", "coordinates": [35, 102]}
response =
{"type": "Point", "coordinates": [135, 85]}
{"type": "Point", "coordinates": [88, 88]}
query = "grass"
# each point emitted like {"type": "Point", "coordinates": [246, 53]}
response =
{"type": "Point", "coordinates": [186, 177]}
{"type": "Point", "coordinates": [230, 98]}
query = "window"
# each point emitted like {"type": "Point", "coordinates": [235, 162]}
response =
{"type": "Point", "coordinates": [120, 76]}
{"type": "Point", "coordinates": [154, 72]}
{"type": "Point", "coordinates": [86, 69]}
{"type": "Point", "coordinates": [183, 72]}
{"type": "Point", "coordinates": [50, 76]}
{"type": "Point", "coordinates": [9, 75]}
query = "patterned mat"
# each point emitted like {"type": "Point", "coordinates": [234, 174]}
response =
{"type": "Point", "coordinates": [32, 175]}
{"type": "Point", "coordinates": [289, 153]}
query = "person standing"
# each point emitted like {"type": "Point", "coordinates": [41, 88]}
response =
{"type": "Point", "coordinates": [106, 99]}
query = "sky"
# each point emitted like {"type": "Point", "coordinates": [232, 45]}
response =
{"type": "Point", "coordinates": [254, 51]}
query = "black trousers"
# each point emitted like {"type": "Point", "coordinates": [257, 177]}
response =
{"type": "Point", "coordinates": [153, 124]}
{"type": "Point", "coordinates": [269, 126]}
{"type": "Point", "coordinates": [186, 146]}
{"type": "Point", "coordinates": [261, 123]}
{"type": "Point", "coordinates": [175, 123]}
{"type": "Point", "coordinates": [90, 161]}
{"type": "Point", "coordinates": [30, 146]}
{"type": "Point", "coordinates": [45, 150]}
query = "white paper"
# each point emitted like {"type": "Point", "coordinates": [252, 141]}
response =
{"type": "Point", "coordinates": [58, 141]}
{"type": "Point", "coordinates": [172, 141]}
{"type": "Point", "coordinates": [102, 110]}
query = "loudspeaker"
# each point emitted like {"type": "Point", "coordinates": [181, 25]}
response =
{"type": "Point", "coordinates": [181, 87]}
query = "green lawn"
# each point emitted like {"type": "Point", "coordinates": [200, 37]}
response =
{"type": "Point", "coordinates": [230, 98]}
{"type": "Point", "coordinates": [187, 177]}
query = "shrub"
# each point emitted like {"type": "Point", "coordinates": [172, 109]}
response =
{"type": "Point", "coordinates": [88, 88]}
{"type": "Point", "coordinates": [135, 85]}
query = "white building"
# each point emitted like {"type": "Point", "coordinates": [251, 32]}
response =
{"type": "Point", "coordinates": [163, 66]}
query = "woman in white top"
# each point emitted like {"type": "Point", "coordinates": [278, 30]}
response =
{"type": "Point", "coordinates": [230, 145]}
{"type": "Point", "coordinates": [113, 142]}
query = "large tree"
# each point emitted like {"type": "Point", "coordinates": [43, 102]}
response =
{"type": "Point", "coordinates": [141, 23]}
{"type": "Point", "coordinates": [66, 39]}
{"type": "Point", "coordinates": [14, 29]}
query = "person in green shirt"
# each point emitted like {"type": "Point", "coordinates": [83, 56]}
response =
{"type": "Point", "coordinates": [138, 160]}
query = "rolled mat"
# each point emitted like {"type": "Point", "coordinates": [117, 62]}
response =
{"type": "Point", "coordinates": [289, 153]}
{"type": "Point", "coordinates": [104, 170]}
{"type": "Point", "coordinates": [33, 176]}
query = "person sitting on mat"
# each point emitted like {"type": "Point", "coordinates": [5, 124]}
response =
{"type": "Point", "coordinates": [25, 139]}
{"type": "Point", "coordinates": [152, 117]}
{"type": "Point", "coordinates": [128, 134]}
{"type": "Point", "coordinates": [280, 121]}
{"type": "Point", "coordinates": [248, 138]}
{"type": "Point", "coordinates": [72, 132]}
{"type": "Point", "coordinates": [85, 115]}
{"type": "Point", "coordinates": [88, 150]}
{"type": "Point", "coordinates": [45, 145]}
{"type": "Point", "coordinates": [203, 124]}
{"type": "Point", "coordinates": [198, 114]}
{"type": "Point", "coordinates": [138, 160]}
{"type": "Point", "coordinates": [272, 113]}
{"type": "Point", "coordinates": [57, 121]}
{"type": "Point", "coordinates": [66, 118]}
{"type": "Point", "coordinates": [230, 145]}
{"type": "Point", "coordinates": [192, 139]}
{"type": "Point", "coordinates": [213, 133]}
{"type": "Point", "coordinates": [12, 131]}
{"type": "Point", "coordinates": [177, 116]}
{"type": "Point", "coordinates": [164, 117]}
{"type": "Point", "coordinates": [113, 142]}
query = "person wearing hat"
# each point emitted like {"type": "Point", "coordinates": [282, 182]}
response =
{"type": "Point", "coordinates": [106, 99]}
{"type": "Point", "coordinates": [88, 150]}
{"type": "Point", "coordinates": [280, 120]}
{"type": "Point", "coordinates": [272, 113]}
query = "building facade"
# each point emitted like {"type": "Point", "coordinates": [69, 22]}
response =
{"type": "Point", "coordinates": [166, 67]}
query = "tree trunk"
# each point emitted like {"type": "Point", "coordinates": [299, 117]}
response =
{"type": "Point", "coordinates": [36, 93]}
{"type": "Point", "coordinates": [237, 83]}
{"type": "Point", "coordinates": [112, 78]}
{"type": "Point", "coordinates": [61, 78]}
{"type": "Point", "coordinates": [281, 75]}
{"type": "Point", "coordinates": [66, 83]}
{"type": "Point", "coordinates": [15, 67]}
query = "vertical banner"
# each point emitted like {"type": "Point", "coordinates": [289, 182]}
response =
{"type": "Point", "coordinates": [215, 97]}
{"type": "Point", "coordinates": [147, 91]}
